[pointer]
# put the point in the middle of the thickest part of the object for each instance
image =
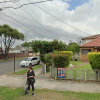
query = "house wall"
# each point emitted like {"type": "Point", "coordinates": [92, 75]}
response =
{"type": "Point", "coordinates": [84, 57]}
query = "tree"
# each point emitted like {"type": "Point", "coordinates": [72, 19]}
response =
{"type": "Point", "coordinates": [26, 44]}
{"type": "Point", "coordinates": [74, 47]}
{"type": "Point", "coordinates": [8, 36]}
{"type": "Point", "coordinates": [36, 45]}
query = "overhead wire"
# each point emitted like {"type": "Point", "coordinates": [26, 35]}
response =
{"type": "Point", "coordinates": [25, 4]}
{"type": "Point", "coordinates": [61, 20]}
{"type": "Point", "coordinates": [22, 24]}
{"type": "Point", "coordinates": [49, 14]}
{"type": "Point", "coordinates": [37, 20]}
{"type": "Point", "coordinates": [48, 0]}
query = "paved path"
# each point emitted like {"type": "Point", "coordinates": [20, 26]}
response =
{"type": "Point", "coordinates": [45, 82]}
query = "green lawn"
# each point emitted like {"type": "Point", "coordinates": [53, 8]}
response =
{"type": "Point", "coordinates": [75, 62]}
{"type": "Point", "coordinates": [21, 72]}
{"type": "Point", "coordinates": [44, 94]}
{"type": "Point", "coordinates": [79, 73]}
{"type": "Point", "coordinates": [87, 66]}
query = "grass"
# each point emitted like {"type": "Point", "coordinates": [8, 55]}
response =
{"type": "Point", "coordinates": [44, 94]}
{"type": "Point", "coordinates": [79, 72]}
{"type": "Point", "coordinates": [75, 62]}
{"type": "Point", "coordinates": [21, 72]}
{"type": "Point", "coordinates": [87, 66]}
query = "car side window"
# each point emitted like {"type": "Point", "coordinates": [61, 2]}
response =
{"type": "Point", "coordinates": [34, 58]}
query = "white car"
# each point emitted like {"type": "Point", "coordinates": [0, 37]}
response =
{"type": "Point", "coordinates": [29, 61]}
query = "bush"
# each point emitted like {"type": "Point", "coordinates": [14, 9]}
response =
{"type": "Point", "coordinates": [48, 61]}
{"type": "Point", "coordinates": [65, 52]}
{"type": "Point", "coordinates": [60, 60]}
{"type": "Point", "coordinates": [42, 58]}
{"type": "Point", "coordinates": [94, 59]}
{"type": "Point", "coordinates": [69, 53]}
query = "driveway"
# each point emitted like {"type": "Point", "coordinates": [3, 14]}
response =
{"type": "Point", "coordinates": [45, 82]}
{"type": "Point", "coordinates": [8, 66]}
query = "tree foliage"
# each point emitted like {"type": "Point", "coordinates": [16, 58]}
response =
{"type": "Point", "coordinates": [8, 36]}
{"type": "Point", "coordinates": [74, 47]}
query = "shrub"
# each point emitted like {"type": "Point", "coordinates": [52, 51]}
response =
{"type": "Point", "coordinates": [94, 59]}
{"type": "Point", "coordinates": [69, 53]}
{"type": "Point", "coordinates": [48, 61]}
{"type": "Point", "coordinates": [60, 60]}
{"type": "Point", "coordinates": [42, 58]}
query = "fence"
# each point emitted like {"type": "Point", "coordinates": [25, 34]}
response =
{"type": "Point", "coordinates": [17, 55]}
{"type": "Point", "coordinates": [82, 75]}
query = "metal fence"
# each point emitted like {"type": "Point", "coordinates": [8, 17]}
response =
{"type": "Point", "coordinates": [73, 74]}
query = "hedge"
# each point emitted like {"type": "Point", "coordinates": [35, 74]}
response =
{"type": "Point", "coordinates": [94, 59]}
{"type": "Point", "coordinates": [48, 60]}
{"type": "Point", "coordinates": [65, 52]}
{"type": "Point", "coordinates": [60, 60]}
{"type": "Point", "coordinates": [42, 58]}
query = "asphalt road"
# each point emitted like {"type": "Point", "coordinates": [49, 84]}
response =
{"type": "Point", "coordinates": [8, 66]}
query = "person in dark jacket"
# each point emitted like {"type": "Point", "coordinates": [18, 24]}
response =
{"type": "Point", "coordinates": [30, 76]}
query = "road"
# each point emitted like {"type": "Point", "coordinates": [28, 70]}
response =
{"type": "Point", "coordinates": [8, 66]}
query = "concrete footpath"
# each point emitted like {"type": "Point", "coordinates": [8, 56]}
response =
{"type": "Point", "coordinates": [45, 82]}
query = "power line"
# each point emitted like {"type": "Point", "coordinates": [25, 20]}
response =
{"type": "Point", "coordinates": [22, 24]}
{"type": "Point", "coordinates": [10, 1]}
{"type": "Point", "coordinates": [30, 14]}
{"type": "Point", "coordinates": [62, 20]}
{"type": "Point", "coordinates": [25, 4]}
{"type": "Point", "coordinates": [48, 13]}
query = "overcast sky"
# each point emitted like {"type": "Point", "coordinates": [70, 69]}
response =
{"type": "Point", "coordinates": [37, 24]}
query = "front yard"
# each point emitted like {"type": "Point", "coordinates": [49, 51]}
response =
{"type": "Point", "coordinates": [44, 94]}
{"type": "Point", "coordinates": [24, 71]}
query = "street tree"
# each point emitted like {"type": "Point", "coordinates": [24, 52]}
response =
{"type": "Point", "coordinates": [8, 36]}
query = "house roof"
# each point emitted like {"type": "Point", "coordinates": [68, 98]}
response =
{"type": "Point", "coordinates": [93, 43]}
{"type": "Point", "coordinates": [91, 37]}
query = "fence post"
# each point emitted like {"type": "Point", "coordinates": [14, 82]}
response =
{"type": "Point", "coordinates": [50, 70]}
{"type": "Point", "coordinates": [85, 75]}
{"type": "Point", "coordinates": [55, 73]}
{"type": "Point", "coordinates": [45, 68]}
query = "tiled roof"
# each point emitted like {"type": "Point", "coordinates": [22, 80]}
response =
{"type": "Point", "coordinates": [91, 37]}
{"type": "Point", "coordinates": [93, 43]}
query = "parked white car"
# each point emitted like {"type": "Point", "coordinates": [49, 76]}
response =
{"type": "Point", "coordinates": [29, 61]}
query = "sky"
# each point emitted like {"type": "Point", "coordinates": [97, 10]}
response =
{"type": "Point", "coordinates": [64, 20]}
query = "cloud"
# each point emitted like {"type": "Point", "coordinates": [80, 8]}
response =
{"type": "Point", "coordinates": [34, 23]}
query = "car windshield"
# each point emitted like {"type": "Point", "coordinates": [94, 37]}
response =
{"type": "Point", "coordinates": [28, 59]}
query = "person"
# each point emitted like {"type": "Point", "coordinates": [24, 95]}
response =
{"type": "Point", "coordinates": [30, 76]}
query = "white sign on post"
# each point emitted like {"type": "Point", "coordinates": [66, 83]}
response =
{"type": "Point", "coordinates": [17, 51]}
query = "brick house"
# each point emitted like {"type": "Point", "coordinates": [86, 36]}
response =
{"type": "Point", "coordinates": [89, 44]}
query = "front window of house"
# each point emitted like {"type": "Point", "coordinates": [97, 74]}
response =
{"type": "Point", "coordinates": [85, 51]}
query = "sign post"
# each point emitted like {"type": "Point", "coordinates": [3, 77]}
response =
{"type": "Point", "coordinates": [14, 62]}
{"type": "Point", "coordinates": [16, 51]}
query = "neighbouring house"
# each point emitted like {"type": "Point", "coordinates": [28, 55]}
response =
{"type": "Point", "coordinates": [21, 49]}
{"type": "Point", "coordinates": [89, 44]}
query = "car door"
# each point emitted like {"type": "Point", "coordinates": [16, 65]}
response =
{"type": "Point", "coordinates": [33, 61]}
